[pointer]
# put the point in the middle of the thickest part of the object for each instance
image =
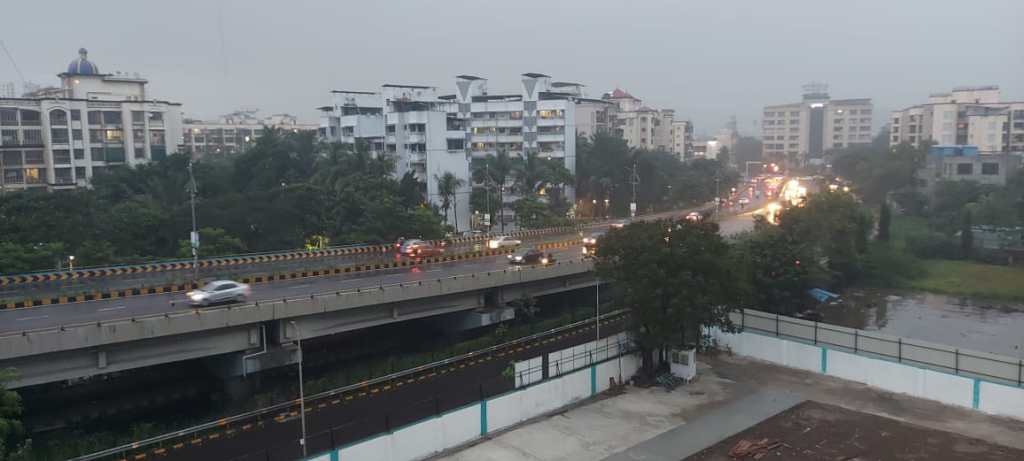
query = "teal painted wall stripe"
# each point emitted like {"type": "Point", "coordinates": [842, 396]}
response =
{"type": "Point", "coordinates": [976, 400]}
{"type": "Point", "coordinates": [593, 379]}
{"type": "Point", "coordinates": [824, 360]}
{"type": "Point", "coordinates": [483, 417]}
{"type": "Point", "coordinates": [336, 455]}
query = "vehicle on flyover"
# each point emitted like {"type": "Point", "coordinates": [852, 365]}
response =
{"type": "Point", "coordinates": [219, 291]}
{"type": "Point", "coordinates": [590, 244]}
{"type": "Point", "coordinates": [530, 256]}
{"type": "Point", "coordinates": [503, 241]}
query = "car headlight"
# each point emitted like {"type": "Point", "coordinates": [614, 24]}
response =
{"type": "Point", "coordinates": [519, 258]}
{"type": "Point", "coordinates": [543, 260]}
{"type": "Point", "coordinates": [196, 296]}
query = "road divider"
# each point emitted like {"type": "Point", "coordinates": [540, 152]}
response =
{"type": "Point", "coordinates": [272, 277]}
{"type": "Point", "coordinates": [227, 261]}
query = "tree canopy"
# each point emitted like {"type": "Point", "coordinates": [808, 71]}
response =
{"type": "Point", "coordinates": [676, 278]}
{"type": "Point", "coordinates": [284, 190]}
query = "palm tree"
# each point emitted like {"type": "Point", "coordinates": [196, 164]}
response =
{"type": "Point", "coordinates": [448, 186]}
{"type": "Point", "coordinates": [495, 172]}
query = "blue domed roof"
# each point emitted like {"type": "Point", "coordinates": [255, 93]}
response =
{"type": "Point", "coordinates": [83, 66]}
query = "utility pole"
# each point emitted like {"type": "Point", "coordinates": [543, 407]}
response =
{"type": "Point", "coordinates": [634, 179]}
{"type": "Point", "coordinates": [302, 394]}
{"type": "Point", "coordinates": [487, 187]}
{"type": "Point", "coordinates": [194, 237]}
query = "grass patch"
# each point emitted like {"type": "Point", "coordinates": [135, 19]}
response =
{"type": "Point", "coordinates": [966, 278]}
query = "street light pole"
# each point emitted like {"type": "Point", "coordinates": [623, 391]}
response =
{"type": "Point", "coordinates": [597, 307]}
{"type": "Point", "coordinates": [194, 238]}
{"type": "Point", "coordinates": [302, 395]}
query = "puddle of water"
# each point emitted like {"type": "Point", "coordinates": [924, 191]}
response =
{"type": "Point", "coordinates": [993, 327]}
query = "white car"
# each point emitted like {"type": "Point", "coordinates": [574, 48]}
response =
{"type": "Point", "coordinates": [220, 291]}
{"type": "Point", "coordinates": [503, 241]}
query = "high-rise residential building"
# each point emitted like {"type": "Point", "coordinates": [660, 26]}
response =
{"type": "Point", "coordinates": [60, 137]}
{"type": "Point", "coordinates": [430, 133]}
{"type": "Point", "coordinates": [682, 139]}
{"type": "Point", "coordinates": [234, 132]}
{"type": "Point", "coordinates": [641, 126]}
{"type": "Point", "coordinates": [801, 132]}
{"type": "Point", "coordinates": [965, 116]}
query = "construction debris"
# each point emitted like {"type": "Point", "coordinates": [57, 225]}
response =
{"type": "Point", "coordinates": [747, 449]}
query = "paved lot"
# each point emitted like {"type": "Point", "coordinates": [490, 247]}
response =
{"type": "Point", "coordinates": [730, 395]}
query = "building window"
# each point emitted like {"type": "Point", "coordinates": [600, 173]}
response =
{"type": "Point", "coordinates": [114, 135]}
{"type": "Point", "coordinates": [80, 172]}
{"type": "Point", "coordinates": [58, 117]}
{"type": "Point", "coordinates": [156, 117]}
{"type": "Point", "coordinates": [79, 154]}
{"type": "Point", "coordinates": [95, 117]}
{"type": "Point", "coordinates": [114, 154]}
{"type": "Point", "coordinates": [59, 135]}
{"type": "Point", "coordinates": [139, 152]}
{"type": "Point", "coordinates": [456, 144]}
{"type": "Point", "coordinates": [111, 118]}
{"type": "Point", "coordinates": [76, 134]}
{"type": "Point", "coordinates": [138, 117]}
{"type": "Point", "coordinates": [30, 118]}
{"type": "Point", "coordinates": [34, 157]}
{"type": "Point", "coordinates": [12, 158]}
{"type": "Point", "coordinates": [76, 115]}
{"type": "Point", "coordinates": [34, 176]}
{"type": "Point", "coordinates": [990, 168]}
{"type": "Point", "coordinates": [139, 137]}
{"type": "Point", "coordinates": [95, 136]}
{"type": "Point", "coordinates": [63, 176]}
{"type": "Point", "coordinates": [32, 137]}
{"type": "Point", "coordinates": [61, 156]}
{"type": "Point", "coordinates": [14, 176]}
{"type": "Point", "coordinates": [9, 117]}
{"type": "Point", "coordinates": [964, 168]}
{"type": "Point", "coordinates": [9, 137]}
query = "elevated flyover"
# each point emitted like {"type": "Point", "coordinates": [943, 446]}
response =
{"type": "Point", "coordinates": [70, 341]}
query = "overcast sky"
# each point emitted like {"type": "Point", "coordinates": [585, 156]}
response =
{"type": "Point", "coordinates": [706, 59]}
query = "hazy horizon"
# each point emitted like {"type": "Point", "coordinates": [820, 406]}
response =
{"type": "Point", "coordinates": [705, 60]}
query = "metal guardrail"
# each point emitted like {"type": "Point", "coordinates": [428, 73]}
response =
{"type": "Point", "coordinates": [277, 408]}
{"type": "Point", "coordinates": [967, 363]}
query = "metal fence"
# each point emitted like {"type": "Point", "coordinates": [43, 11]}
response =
{"type": "Point", "coordinates": [968, 363]}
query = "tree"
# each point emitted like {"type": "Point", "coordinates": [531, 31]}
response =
{"type": "Point", "coordinates": [409, 190]}
{"type": "Point", "coordinates": [25, 257]}
{"type": "Point", "coordinates": [448, 186]}
{"type": "Point", "coordinates": [12, 432]}
{"type": "Point", "coordinates": [835, 228]}
{"type": "Point", "coordinates": [213, 241]}
{"type": "Point", "coordinates": [776, 268]}
{"type": "Point", "coordinates": [494, 172]}
{"type": "Point", "coordinates": [724, 156]}
{"type": "Point", "coordinates": [675, 278]}
{"type": "Point", "coordinates": [884, 219]}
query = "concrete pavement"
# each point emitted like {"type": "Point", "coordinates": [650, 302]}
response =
{"type": "Point", "coordinates": [650, 424]}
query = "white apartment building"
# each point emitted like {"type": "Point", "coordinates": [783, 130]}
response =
{"type": "Point", "coordinates": [234, 132]}
{"type": "Point", "coordinates": [641, 126]}
{"type": "Point", "coordinates": [803, 131]}
{"type": "Point", "coordinates": [965, 116]}
{"type": "Point", "coordinates": [59, 138]}
{"type": "Point", "coordinates": [430, 134]}
{"type": "Point", "coordinates": [682, 138]}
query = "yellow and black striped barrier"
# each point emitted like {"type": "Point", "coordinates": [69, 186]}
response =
{"type": "Point", "coordinates": [18, 279]}
{"type": "Point", "coordinates": [266, 278]}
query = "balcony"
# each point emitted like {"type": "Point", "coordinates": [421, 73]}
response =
{"type": "Point", "coordinates": [491, 122]}
{"type": "Point", "coordinates": [550, 121]}
{"type": "Point", "coordinates": [550, 137]}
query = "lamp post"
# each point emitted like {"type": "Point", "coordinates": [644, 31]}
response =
{"type": "Point", "coordinates": [194, 237]}
{"type": "Point", "coordinates": [71, 262]}
{"type": "Point", "coordinates": [302, 395]}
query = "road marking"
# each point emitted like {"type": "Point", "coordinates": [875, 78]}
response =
{"type": "Point", "coordinates": [305, 285]}
{"type": "Point", "coordinates": [111, 308]}
{"type": "Point", "coordinates": [35, 317]}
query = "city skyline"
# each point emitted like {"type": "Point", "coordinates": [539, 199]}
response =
{"type": "Point", "coordinates": [705, 61]}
